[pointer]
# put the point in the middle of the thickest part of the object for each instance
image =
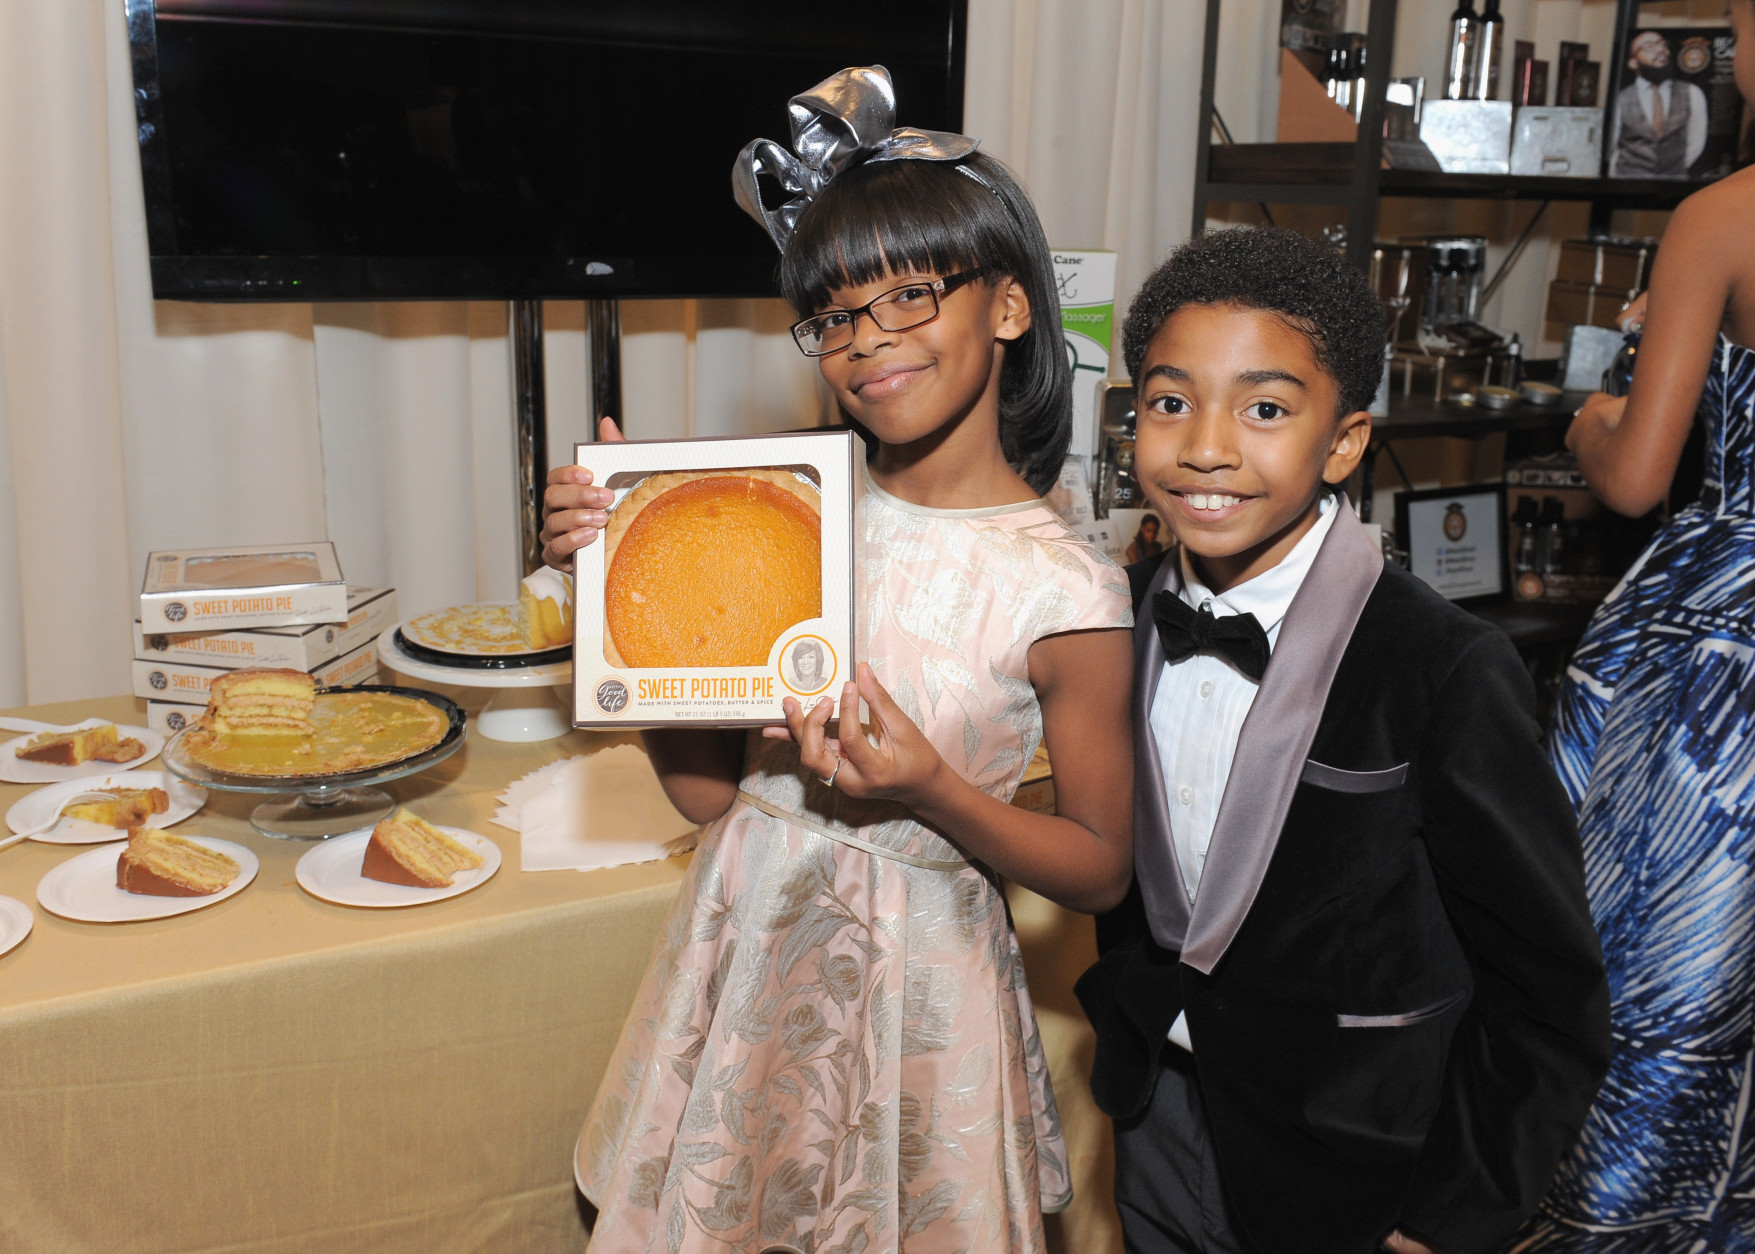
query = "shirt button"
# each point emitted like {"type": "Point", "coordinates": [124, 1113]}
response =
{"type": "Point", "coordinates": [1206, 689]}
{"type": "Point", "coordinates": [1185, 795]}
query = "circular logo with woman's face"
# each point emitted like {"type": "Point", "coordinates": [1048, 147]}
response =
{"type": "Point", "coordinates": [807, 665]}
{"type": "Point", "coordinates": [1456, 522]}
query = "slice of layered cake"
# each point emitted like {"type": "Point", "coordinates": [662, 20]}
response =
{"type": "Point", "coordinates": [262, 702]}
{"type": "Point", "coordinates": [132, 807]}
{"type": "Point", "coordinates": [159, 864]}
{"type": "Point", "coordinates": [72, 748]}
{"type": "Point", "coordinates": [408, 850]}
{"type": "Point", "coordinates": [545, 609]}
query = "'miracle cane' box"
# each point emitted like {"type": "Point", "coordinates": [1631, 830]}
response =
{"type": "Point", "coordinates": [724, 583]}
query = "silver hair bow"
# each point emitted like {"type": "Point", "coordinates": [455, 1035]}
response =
{"type": "Point", "coordinates": [844, 121]}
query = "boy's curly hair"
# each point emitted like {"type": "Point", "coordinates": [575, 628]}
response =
{"type": "Point", "coordinates": [1307, 283]}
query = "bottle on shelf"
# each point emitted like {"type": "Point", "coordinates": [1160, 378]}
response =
{"type": "Point", "coordinates": [1513, 361]}
{"type": "Point", "coordinates": [1337, 76]}
{"type": "Point", "coordinates": [1489, 52]}
{"type": "Point", "coordinates": [1465, 29]}
{"type": "Point", "coordinates": [1356, 66]}
{"type": "Point", "coordinates": [1552, 541]}
{"type": "Point", "coordinates": [1526, 582]}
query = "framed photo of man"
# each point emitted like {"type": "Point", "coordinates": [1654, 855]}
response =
{"type": "Point", "coordinates": [1676, 112]}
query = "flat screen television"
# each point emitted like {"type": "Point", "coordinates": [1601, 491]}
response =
{"type": "Point", "coordinates": [488, 149]}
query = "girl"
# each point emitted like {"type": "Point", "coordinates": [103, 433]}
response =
{"type": "Point", "coordinates": [834, 1049]}
{"type": "Point", "coordinates": [1654, 736]}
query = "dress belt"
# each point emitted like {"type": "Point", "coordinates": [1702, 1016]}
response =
{"type": "Point", "coordinates": [848, 839]}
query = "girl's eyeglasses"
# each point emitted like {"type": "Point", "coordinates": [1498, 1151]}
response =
{"type": "Point", "coordinates": [899, 309]}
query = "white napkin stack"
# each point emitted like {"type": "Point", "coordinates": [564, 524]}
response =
{"type": "Point", "coordinates": [599, 810]}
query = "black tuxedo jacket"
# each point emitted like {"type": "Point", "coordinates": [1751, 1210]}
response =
{"type": "Point", "coordinates": [1395, 994]}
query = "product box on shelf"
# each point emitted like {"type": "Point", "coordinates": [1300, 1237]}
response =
{"type": "Point", "coordinates": [1608, 262]}
{"type": "Point", "coordinates": [182, 682]}
{"type": "Point", "coordinates": [302, 648]}
{"type": "Point", "coordinates": [1587, 304]}
{"type": "Point", "coordinates": [259, 585]}
{"type": "Point", "coordinates": [1086, 279]}
{"type": "Point", "coordinates": [724, 583]}
{"type": "Point", "coordinates": [1557, 143]}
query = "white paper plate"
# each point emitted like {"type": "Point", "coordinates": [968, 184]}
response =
{"type": "Point", "coordinates": [15, 922]}
{"type": "Point", "coordinates": [15, 772]}
{"type": "Point", "coordinates": [331, 871]}
{"type": "Point", "coordinates": [27, 812]}
{"type": "Point", "coordinates": [83, 888]}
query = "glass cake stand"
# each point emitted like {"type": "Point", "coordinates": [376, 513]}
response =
{"type": "Point", "coordinates": [316, 807]}
{"type": "Point", "coordinates": [525, 706]}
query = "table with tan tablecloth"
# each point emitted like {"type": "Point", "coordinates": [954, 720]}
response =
{"type": "Point", "coordinates": [275, 1073]}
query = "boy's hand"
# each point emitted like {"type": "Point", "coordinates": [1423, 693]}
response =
{"type": "Point", "coordinates": [573, 510]}
{"type": "Point", "coordinates": [901, 765]}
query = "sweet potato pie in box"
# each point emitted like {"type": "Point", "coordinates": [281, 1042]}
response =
{"type": "Point", "coordinates": [724, 583]}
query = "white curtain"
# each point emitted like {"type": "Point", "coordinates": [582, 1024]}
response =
{"type": "Point", "coordinates": [128, 424]}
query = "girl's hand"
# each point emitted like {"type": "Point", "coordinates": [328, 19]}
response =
{"type": "Point", "coordinates": [902, 765]}
{"type": "Point", "coordinates": [1600, 410]}
{"type": "Point", "coordinates": [573, 510]}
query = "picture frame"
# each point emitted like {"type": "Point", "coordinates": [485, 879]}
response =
{"type": "Point", "coordinates": [1456, 540]}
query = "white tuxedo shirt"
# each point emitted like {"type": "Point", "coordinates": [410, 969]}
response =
{"type": "Point", "coordinates": [1198, 711]}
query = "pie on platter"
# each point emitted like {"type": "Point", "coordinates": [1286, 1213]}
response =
{"type": "Point", "coordinates": [354, 731]}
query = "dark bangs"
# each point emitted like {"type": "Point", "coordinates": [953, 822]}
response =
{"type": "Point", "coordinates": [918, 217]}
{"type": "Point", "coordinates": [895, 217]}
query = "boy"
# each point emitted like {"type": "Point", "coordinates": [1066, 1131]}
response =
{"type": "Point", "coordinates": [1354, 1000]}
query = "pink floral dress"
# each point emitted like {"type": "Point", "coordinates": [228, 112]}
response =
{"type": "Point", "coordinates": [834, 1051]}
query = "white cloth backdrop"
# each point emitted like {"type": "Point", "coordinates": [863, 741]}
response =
{"type": "Point", "coordinates": [128, 424]}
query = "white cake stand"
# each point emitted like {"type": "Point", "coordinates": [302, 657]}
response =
{"type": "Point", "coordinates": [525, 705]}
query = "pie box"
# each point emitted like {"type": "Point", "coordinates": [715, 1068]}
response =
{"type": "Point", "coordinates": [607, 695]}
{"type": "Point", "coordinates": [258, 585]}
{"type": "Point", "coordinates": [304, 648]}
{"type": "Point", "coordinates": [186, 684]}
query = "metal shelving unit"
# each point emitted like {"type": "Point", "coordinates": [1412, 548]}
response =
{"type": "Point", "coordinates": [1352, 175]}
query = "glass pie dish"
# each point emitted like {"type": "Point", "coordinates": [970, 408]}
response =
{"type": "Point", "coordinates": [317, 806]}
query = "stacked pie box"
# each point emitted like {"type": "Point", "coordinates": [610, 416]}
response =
{"type": "Point", "coordinates": [258, 606]}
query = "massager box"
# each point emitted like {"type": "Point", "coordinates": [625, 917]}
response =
{"type": "Point", "coordinates": [725, 582]}
{"type": "Point", "coordinates": [305, 648]}
{"type": "Point", "coordinates": [1086, 281]}
{"type": "Point", "coordinates": [257, 585]}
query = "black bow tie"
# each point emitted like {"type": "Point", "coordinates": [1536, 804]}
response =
{"type": "Point", "coordinates": [1185, 632]}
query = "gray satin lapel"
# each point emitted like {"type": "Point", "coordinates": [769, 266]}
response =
{"type": "Point", "coordinates": [1277, 734]}
{"type": "Point", "coordinates": [1160, 875]}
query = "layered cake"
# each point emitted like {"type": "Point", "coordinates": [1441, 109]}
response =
{"type": "Point", "coordinates": [132, 807]}
{"type": "Point", "coordinates": [159, 864]}
{"type": "Point", "coordinates": [545, 610]}
{"type": "Point", "coordinates": [408, 850]}
{"type": "Point", "coordinates": [710, 568]}
{"type": "Point", "coordinates": [262, 702]}
{"type": "Point", "coordinates": [83, 745]}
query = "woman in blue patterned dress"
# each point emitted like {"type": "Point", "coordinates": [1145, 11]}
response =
{"type": "Point", "coordinates": [1655, 739]}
